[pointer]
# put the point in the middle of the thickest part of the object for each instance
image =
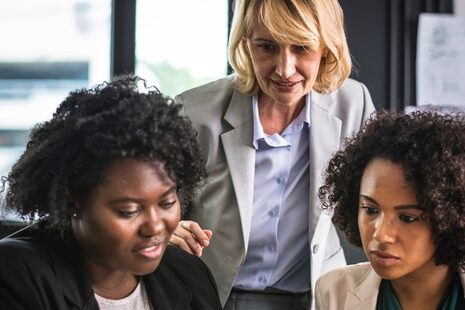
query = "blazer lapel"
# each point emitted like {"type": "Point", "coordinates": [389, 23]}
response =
{"type": "Point", "coordinates": [71, 274]}
{"type": "Point", "coordinates": [325, 133]}
{"type": "Point", "coordinates": [365, 295]}
{"type": "Point", "coordinates": [240, 155]}
{"type": "Point", "coordinates": [167, 294]}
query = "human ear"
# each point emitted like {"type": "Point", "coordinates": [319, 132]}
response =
{"type": "Point", "coordinates": [73, 208]}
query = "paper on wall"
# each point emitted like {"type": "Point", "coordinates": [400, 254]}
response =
{"type": "Point", "coordinates": [441, 60]}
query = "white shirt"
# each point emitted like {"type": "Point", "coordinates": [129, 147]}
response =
{"type": "Point", "coordinates": [136, 300]}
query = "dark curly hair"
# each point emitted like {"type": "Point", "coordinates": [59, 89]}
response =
{"type": "Point", "coordinates": [431, 149]}
{"type": "Point", "coordinates": [68, 154]}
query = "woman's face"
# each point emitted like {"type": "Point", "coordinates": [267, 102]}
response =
{"type": "Point", "coordinates": [127, 221]}
{"type": "Point", "coordinates": [285, 73]}
{"type": "Point", "coordinates": [395, 236]}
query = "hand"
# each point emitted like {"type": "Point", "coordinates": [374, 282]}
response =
{"type": "Point", "coordinates": [190, 237]}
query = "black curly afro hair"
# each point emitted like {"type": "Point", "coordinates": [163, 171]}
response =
{"type": "Point", "coordinates": [431, 149]}
{"type": "Point", "coordinates": [68, 154]}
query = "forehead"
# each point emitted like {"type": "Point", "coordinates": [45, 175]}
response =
{"type": "Point", "coordinates": [135, 172]}
{"type": "Point", "coordinates": [385, 181]}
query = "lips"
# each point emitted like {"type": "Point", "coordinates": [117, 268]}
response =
{"type": "Point", "coordinates": [285, 85]}
{"type": "Point", "coordinates": [385, 259]}
{"type": "Point", "coordinates": [150, 250]}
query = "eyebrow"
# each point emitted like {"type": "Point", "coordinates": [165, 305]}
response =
{"type": "Point", "coordinates": [137, 200]}
{"type": "Point", "coordinates": [263, 40]}
{"type": "Point", "coordinates": [399, 207]}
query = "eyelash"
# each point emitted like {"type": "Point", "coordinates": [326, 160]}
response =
{"type": "Point", "coordinates": [127, 214]}
{"type": "Point", "coordinates": [168, 204]}
{"type": "Point", "coordinates": [408, 218]}
{"type": "Point", "coordinates": [268, 47]}
{"type": "Point", "coordinates": [369, 210]}
{"type": "Point", "coordinates": [403, 217]}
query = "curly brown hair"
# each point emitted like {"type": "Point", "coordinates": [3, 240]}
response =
{"type": "Point", "coordinates": [67, 155]}
{"type": "Point", "coordinates": [431, 149]}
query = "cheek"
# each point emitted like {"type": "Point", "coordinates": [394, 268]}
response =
{"type": "Point", "coordinates": [365, 230]}
{"type": "Point", "coordinates": [421, 245]}
{"type": "Point", "coordinates": [172, 218]}
{"type": "Point", "coordinates": [311, 70]}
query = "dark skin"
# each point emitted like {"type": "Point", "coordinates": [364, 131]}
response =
{"type": "Point", "coordinates": [125, 225]}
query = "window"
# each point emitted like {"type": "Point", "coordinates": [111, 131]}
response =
{"type": "Point", "coordinates": [49, 48]}
{"type": "Point", "coordinates": [181, 43]}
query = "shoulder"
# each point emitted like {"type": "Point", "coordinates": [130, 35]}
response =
{"type": "Point", "coordinates": [343, 278]}
{"type": "Point", "coordinates": [352, 87]}
{"type": "Point", "coordinates": [210, 98]}
{"type": "Point", "coordinates": [25, 273]}
{"type": "Point", "coordinates": [225, 84]}
{"type": "Point", "coordinates": [331, 288]}
{"type": "Point", "coordinates": [351, 104]}
{"type": "Point", "coordinates": [188, 267]}
{"type": "Point", "coordinates": [28, 250]}
{"type": "Point", "coordinates": [180, 269]}
{"type": "Point", "coordinates": [351, 96]}
{"type": "Point", "coordinates": [217, 89]}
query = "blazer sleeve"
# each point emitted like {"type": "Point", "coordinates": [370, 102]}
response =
{"type": "Point", "coordinates": [319, 302]}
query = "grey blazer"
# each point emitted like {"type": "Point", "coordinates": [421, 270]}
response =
{"type": "Point", "coordinates": [354, 287]}
{"type": "Point", "coordinates": [223, 118]}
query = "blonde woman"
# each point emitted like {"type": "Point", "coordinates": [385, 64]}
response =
{"type": "Point", "coordinates": [267, 131]}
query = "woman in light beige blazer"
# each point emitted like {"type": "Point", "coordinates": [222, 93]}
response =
{"type": "Point", "coordinates": [398, 190]}
{"type": "Point", "coordinates": [291, 63]}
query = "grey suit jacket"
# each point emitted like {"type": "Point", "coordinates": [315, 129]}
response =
{"type": "Point", "coordinates": [354, 287]}
{"type": "Point", "coordinates": [223, 118]}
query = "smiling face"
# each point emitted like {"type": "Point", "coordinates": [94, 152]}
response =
{"type": "Point", "coordinates": [126, 222]}
{"type": "Point", "coordinates": [285, 73]}
{"type": "Point", "coordinates": [395, 236]}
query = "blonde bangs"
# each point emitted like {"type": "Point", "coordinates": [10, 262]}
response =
{"type": "Point", "coordinates": [290, 23]}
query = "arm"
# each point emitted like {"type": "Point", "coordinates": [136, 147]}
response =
{"type": "Point", "coordinates": [319, 302]}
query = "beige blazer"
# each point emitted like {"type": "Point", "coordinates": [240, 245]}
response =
{"type": "Point", "coordinates": [354, 287]}
{"type": "Point", "coordinates": [223, 118]}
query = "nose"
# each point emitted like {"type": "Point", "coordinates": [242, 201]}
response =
{"type": "Point", "coordinates": [285, 66]}
{"type": "Point", "coordinates": [385, 231]}
{"type": "Point", "coordinates": [152, 224]}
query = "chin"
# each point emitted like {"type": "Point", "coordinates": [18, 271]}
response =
{"type": "Point", "coordinates": [387, 273]}
{"type": "Point", "coordinates": [147, 268]}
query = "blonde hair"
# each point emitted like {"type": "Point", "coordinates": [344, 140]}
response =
{"type": "Point", "coordinates": [313, 23]}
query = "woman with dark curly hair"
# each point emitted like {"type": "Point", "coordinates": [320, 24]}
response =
{"type": "Point", "coordinates": [101, 181]}
{"type": "Point", "coordinates": [398, 190]}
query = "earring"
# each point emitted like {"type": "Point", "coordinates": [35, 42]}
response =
{"type": "Point", "coordinates": [74, 215]}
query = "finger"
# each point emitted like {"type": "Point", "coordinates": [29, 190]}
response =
{"type": "Point", "coordinates": [189, 240]}
{"type": "Point", "coordinates": [209, 233]}
{"type": "Point", "coordinates": [198, 233]}
{"type": "Point", "coordinates": [180, 243]}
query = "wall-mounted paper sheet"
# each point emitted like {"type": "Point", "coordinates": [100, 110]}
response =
{"type": "Point", "coordinates": [441, 60]}
{"type": "Point", "coordinates": [459, 7]}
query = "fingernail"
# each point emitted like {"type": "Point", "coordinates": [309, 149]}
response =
{"type": "Point", "coordinates": [206, 242]}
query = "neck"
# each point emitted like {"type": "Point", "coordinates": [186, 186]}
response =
{"type": "Point", "coordinates": [423, 290]}
{"type": "Point", "coordinates": [275, 116]}
{"type": "Point", "coordinates": [111, 284]}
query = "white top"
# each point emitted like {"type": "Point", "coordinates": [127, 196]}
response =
{"type": "Point", "coordinates": [136, 300]}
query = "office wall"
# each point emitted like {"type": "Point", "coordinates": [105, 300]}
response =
{"type": "Point", "coordinates": [382, 38]}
